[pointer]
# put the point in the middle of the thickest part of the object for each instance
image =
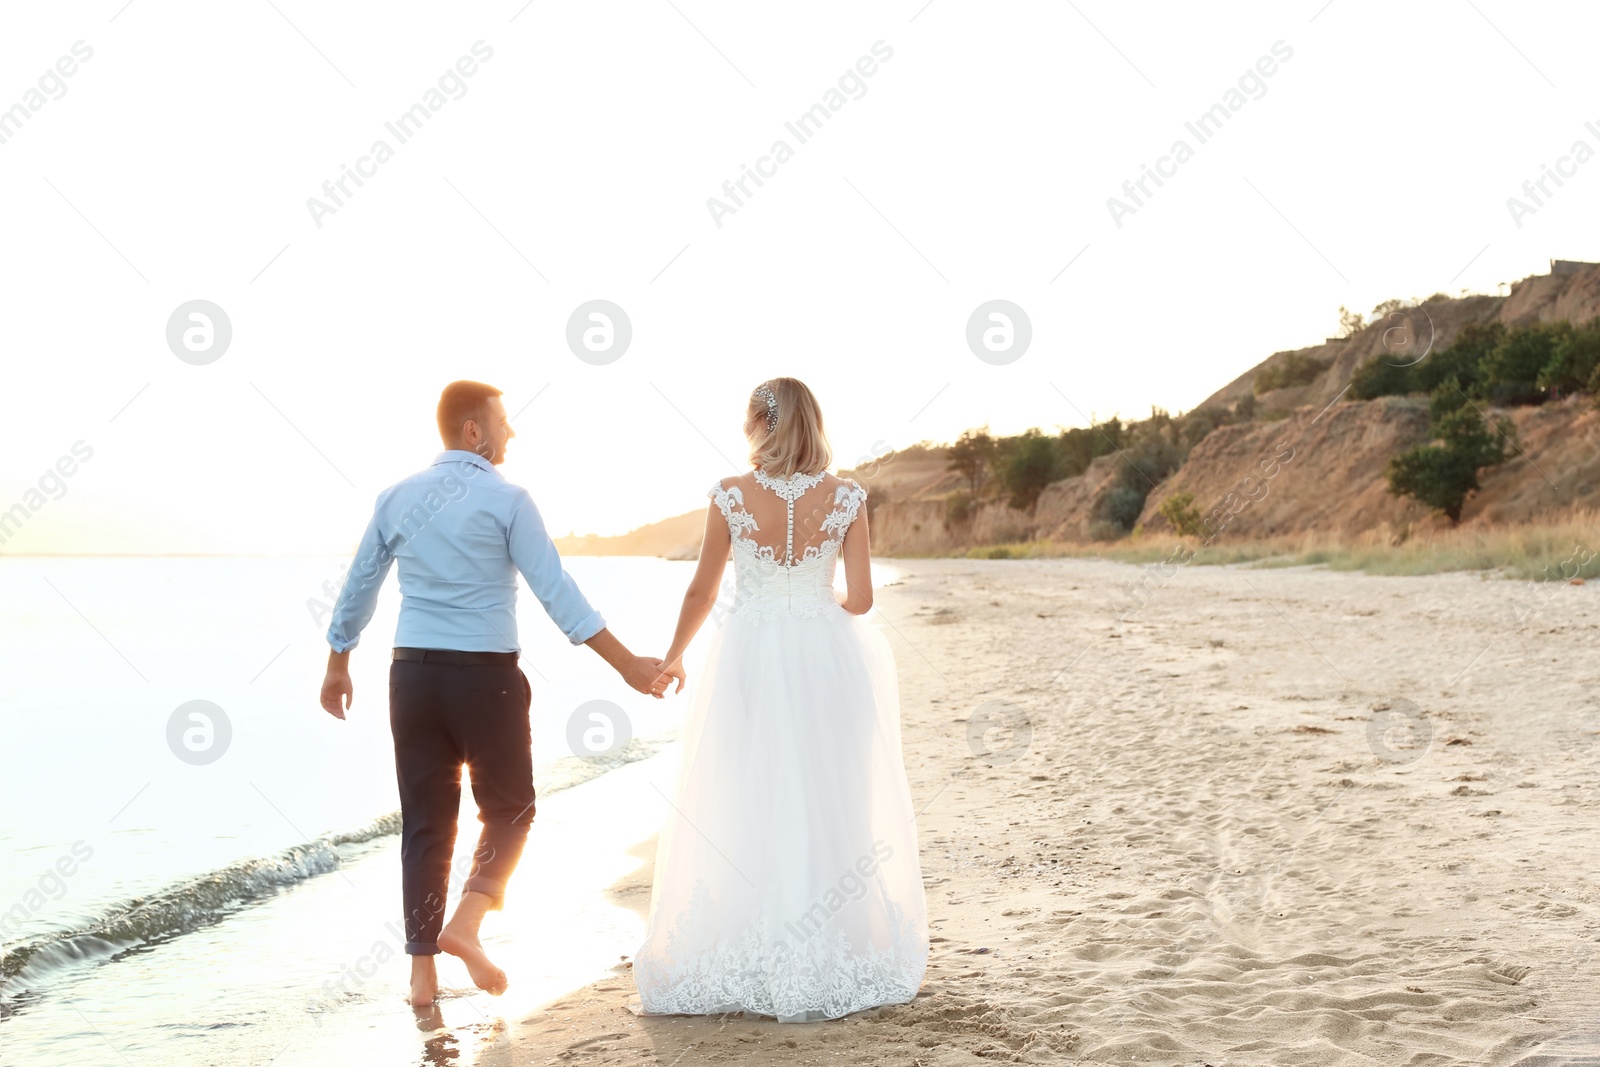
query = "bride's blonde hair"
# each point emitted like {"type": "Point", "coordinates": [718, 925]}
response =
{"type": "Point", "coordinates": [796, 443]}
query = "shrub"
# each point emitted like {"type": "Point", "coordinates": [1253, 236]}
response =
{"type": "Point", "coordinates": [1380, 376]}
{"type": "Point", "coordinates": [1121, 507]}
{"type": "Point", "coordinates": [1295, 368]}
{"type": "Point", "coordinates": [1179, 510]}
{"type": "Point", "coordinates": [1198, 424]}
{"type": "Point", "coordinates": [1147, 462]}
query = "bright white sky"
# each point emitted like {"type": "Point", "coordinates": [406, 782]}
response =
{"type": "Point", "coordinates": [577, 166]}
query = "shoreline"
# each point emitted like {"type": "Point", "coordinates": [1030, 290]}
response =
{"type": "Point", "coordinates": [1278, 816]}
{"type": "Point", "coordinates": [45, 966]}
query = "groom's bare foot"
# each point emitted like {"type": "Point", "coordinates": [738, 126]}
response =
{"type": "Point", "coordinates": [460, 938]}
{"type": "Point", "coordinates": [485, 975]}
{"type": "Point", "coordinates": [424, 981]}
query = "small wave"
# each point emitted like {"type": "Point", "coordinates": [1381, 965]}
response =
{"type": "Point", "coordinates": [175, 910]}
{"type": "Point", "coordinates": [211, 897]}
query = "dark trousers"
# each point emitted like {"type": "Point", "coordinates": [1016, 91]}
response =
{"type": "Point", "coordinates": [444, 715]}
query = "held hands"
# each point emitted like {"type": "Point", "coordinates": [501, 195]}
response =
{"type": "Point", "coordinates": [671, 669]}
{"type": "Point", "coordinates": [640, 672]}
{"type": "Point", "coordinates": [645, 674]}
{"type": "Point", "coordinates": [653, 676]}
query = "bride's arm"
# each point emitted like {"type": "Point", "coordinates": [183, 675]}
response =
{"type": "Point", "coordinates": [857, 557]}
{"type": "Point", "coordinates": [701, 595]}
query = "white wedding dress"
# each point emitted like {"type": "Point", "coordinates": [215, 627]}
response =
{"type": "Point", "coordinates": [787, 881]}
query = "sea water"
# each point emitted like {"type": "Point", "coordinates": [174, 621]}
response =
{"type": "Point", "coordinates": [160, 868]}
{"type": "Point", "coordinates": [126, 820]}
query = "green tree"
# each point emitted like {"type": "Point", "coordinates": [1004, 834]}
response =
{"type": "Point", "coordinates": [1081, 445]}
{"type": "Point", "coordinates": [1433, 476]}
{"type": "Point", "coordinates": [1511, 370]}
{"type": "Point", "coordinates": [1446, 400]}
{"type": "Point", "coordinates": [1462, 358]}
{"type": "Point", "coordinates": [1380, 376]}
{"type": "Point", "coordinates": [1350, 322]}
{"type": "Point", "coordinates": [1032, 463]}
{"type": "Point", "coordinates": [1383, 375]}
{"type": "Point", "coordinates": [972, 456]}
{"type": "Point", "coordinates": [1574, 360]}
{"type": "Point", "coordinates": [1077, 450]}
{"type": "Point", "coordinates": [1441, 474]}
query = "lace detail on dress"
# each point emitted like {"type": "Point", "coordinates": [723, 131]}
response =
{"type": "Point", "coordinates": [789, 489]}
{"type": "Point", "coordinates": [847, 500]}
{"type": "Point", "coordinates": [731, 503]}
{"type": "Point", "coordinates": [774, 972]}
{"type": "Point", "coordinates": [768, 584]}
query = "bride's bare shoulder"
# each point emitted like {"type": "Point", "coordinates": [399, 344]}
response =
{"type": "Point", "coordinates": [834, 482]}
{"type": "Point", "coordinates": [733, 483]}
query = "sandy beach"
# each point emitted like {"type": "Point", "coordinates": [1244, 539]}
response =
{"type": "Point", "coordinates": [1230, 817]}
{"type": "Point", "coordinates": [1222, 836]}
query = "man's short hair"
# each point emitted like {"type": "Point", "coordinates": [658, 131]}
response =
{"type": "Point", "coordinates": [461, 401]}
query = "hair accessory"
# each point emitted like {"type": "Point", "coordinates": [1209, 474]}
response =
{"type": "Point", "coordinates": [771, 398]}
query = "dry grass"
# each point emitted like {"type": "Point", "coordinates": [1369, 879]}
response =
{"type": "Point", "coordinates": [1565, 548]}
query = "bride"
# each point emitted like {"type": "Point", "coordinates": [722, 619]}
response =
{"type": "Point", "coordinates": [787, 881]}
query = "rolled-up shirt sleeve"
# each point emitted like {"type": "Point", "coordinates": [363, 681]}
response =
{"type": "Point", "coordinates": [535, 555]}
{"type": "Point", "coordinates": [358, 598]}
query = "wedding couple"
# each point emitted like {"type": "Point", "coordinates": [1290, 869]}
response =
{"type": "Point", "coordinates": [787, 881]}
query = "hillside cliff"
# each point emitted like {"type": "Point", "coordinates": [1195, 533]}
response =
{"type": "Point", "coordinates": [1410, 333]}
{"type": "Point", "coordinates": [1326, 452]}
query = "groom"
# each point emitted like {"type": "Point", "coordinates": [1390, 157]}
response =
{"type": "Point", "coordinates": [461, 533]}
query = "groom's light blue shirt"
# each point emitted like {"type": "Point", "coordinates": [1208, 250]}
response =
{"type": "Point", "coordinates": [461, 532]}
